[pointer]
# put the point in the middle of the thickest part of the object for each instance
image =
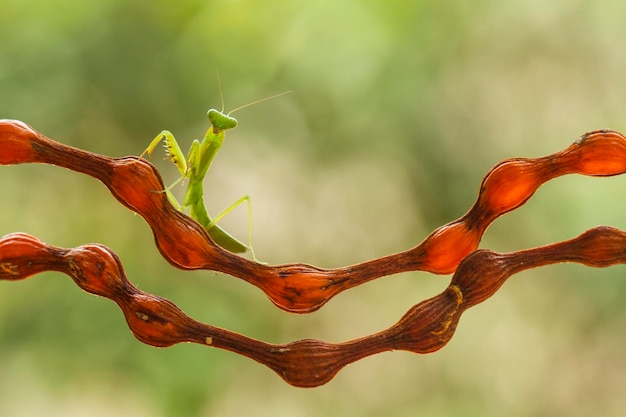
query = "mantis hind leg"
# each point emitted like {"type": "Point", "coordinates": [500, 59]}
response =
{"type": "Point", "coordinates": [230, 208]}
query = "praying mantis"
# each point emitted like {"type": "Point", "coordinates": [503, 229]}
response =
{"type": "Point", "coordinates": [195, 167]}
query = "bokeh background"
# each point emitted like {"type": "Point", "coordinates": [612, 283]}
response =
{"type": "Point", "coordinates": [399, 108]}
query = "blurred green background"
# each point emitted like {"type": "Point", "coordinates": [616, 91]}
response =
{"type": "Point", "coordinates": [399, 109]}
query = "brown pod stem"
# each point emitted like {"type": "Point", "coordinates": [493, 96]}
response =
{"type": "Point", "coordinates": [302, 288]}
{"type": "Point", "coordinates": [426, 327]}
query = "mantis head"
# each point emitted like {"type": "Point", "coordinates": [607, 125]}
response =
{"type": "Point", "coordinates": [221, 121]}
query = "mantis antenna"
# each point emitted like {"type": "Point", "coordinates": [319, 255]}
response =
{"type": "Point", "coordinates": [258, 101]}
{"type": "Point", "coordinates": [219, 87]}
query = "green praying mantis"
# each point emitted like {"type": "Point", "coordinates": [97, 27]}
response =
{"type": "Point", "coordinates": [195, 167]}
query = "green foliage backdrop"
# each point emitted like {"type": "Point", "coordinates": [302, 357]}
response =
{"type": "Point", "coordinates": [399, 109]}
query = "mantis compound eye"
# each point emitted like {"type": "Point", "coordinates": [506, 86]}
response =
{"type": "Point", "coordinates": [221, 121]}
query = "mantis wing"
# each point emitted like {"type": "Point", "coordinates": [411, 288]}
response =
{"type": "Point", "coordinates": [199, 213]}
{"type": "Point", "coordinates": [225, 240]}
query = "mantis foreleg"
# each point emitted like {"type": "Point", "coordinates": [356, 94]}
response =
{"type": "Point", "coordinates": [174, 154]}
